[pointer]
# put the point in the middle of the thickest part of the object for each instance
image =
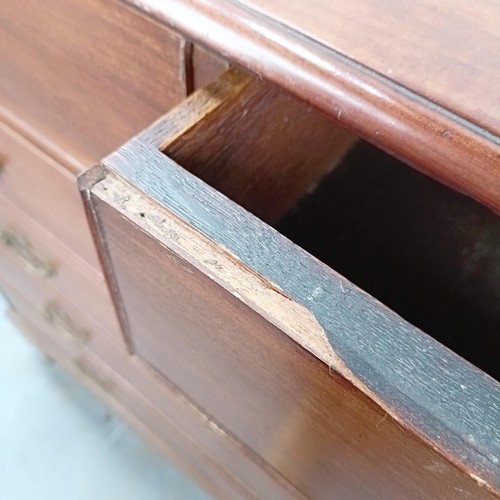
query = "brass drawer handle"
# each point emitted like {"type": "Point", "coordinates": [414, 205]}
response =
{"type": "Point", "coordinates": [88, 371]}
{"type": "Point", "coordinates": [24, 251]}
{"type": "Point", "coordinates": [56, 316]}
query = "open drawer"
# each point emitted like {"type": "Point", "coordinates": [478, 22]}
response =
{"type": "Point", "coordinates": [314, 378]}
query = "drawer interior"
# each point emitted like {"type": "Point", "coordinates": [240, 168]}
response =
{"type": "Point", "coordinates": [260, 147]}
{"type": "Point", "coordinates": [426, 251]}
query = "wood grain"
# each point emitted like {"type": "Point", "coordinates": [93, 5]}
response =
{"type": "Point", "coordinates": [337, 387]}
{"type": "Point", "coordinates": [446, 52]}
{"type": "Point", "coordinates": [424, 113]}
{"type": "Point", "coordinates": [88, 74]}
{"type": "Point", "coordinates": [228, 326]}
{"type": "Point", "coordinates": [257, 145]}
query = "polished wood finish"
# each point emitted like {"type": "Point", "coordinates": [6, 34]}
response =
{"type": "Point", "coordinates": [376, 344]}
{"type": "Point", "coordinates": [76, 68]}
{"type": "Point", "coordinates": [426, 48]}
{"type": "Point", "coordinates": [206, 67]}
{"type": "Point", "coordinates": [208, 295]}
{"type": "Point", "coordinates": [416, 112]}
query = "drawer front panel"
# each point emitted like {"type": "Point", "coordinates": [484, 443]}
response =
{"type": "Point", "coordinates": [40, 266]}
{"type": "Point", "coordinates": [88, 74]}
{"type": "Point", "coordinates": [46, 192]}
{"type": "Point", "coordinates": [21, 309]}
{"type": "Point", "coordinates": [48, 308]}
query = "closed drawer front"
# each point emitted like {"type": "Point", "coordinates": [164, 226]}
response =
{"type": "Point", "coordinates": [70, 65]}
{"type": "Point", "coordinates": [21, 309]}
{"type": "Point", "coordinates": [293, 361]}
{"type": "Point", "coordinates": [49, 311]}
{"type": "Point", "coordinates": [37, 264]}
{"type": "Point", "coordinates": [46, 192]}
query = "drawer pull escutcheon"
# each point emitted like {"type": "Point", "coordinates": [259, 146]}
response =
{"type": "Point", "coordinates": [24, 251]}
{"type": "Point", "coordinates": [56, 316]}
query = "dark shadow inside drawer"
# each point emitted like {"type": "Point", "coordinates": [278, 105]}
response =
{"type": "Point", "coordinates": [429, 253]}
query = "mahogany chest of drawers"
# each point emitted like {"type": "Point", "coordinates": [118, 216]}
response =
{"type": "Point", "coordinates": [280, 262]}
